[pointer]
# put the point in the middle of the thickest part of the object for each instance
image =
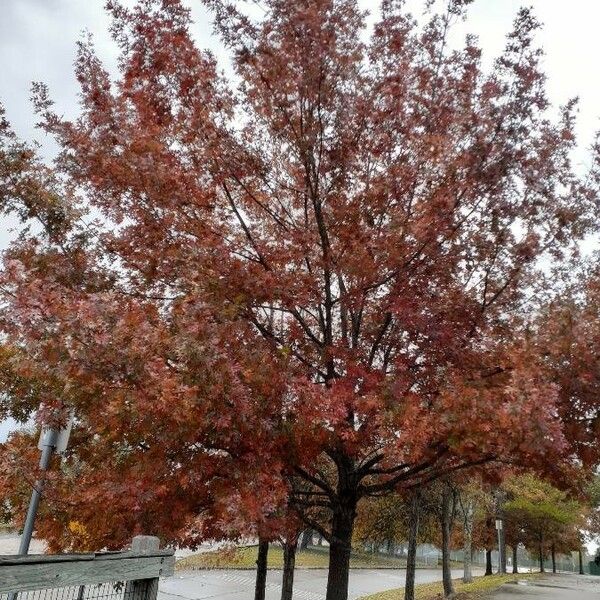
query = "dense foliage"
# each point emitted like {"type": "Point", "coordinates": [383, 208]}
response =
{"type": "Point", "coordinates": [268, 297]}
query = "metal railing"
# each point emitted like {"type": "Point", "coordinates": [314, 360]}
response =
{"type": "Point", "coordinates": [130, 575]}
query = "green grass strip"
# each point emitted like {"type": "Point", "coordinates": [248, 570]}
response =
{"type": "Point", "coordinates": [312, 558]}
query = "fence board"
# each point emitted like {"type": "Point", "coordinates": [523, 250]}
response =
{"type": "Point", "coordinates": [21, 574]}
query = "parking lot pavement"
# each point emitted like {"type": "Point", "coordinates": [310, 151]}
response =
{"type": "Point", "coordinates": [309, 584]}
{"type": "Point", "coordinates": [9, 544]}
{"type": "Point", "coordinates": [551, 587]}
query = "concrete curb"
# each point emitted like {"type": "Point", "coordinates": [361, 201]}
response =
{"type": "Point", "coordinates": [183, 569]}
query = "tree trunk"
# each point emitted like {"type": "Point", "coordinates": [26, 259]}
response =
{"type": "Point", "coordinates": [289, 563]}
{"type": "Point", "coordinates": [515, 551]}
{"type": "Point", "coordinates": [581, 572]}
{"type": "Point", "coordinates": [502, 550]}
{"type": "Point", "coordinates": [320, 540]}
{"type": "Point", "coordinates": [446, 523]}
{"type": "Point", "coordinates": [411, 557]}
{"type": "Point", "coordinates": [488, 562]}
{"type": "Point", "coordinates": [553, 549]}
{"type": "Point", "coordinates": [339, 549]}
{"type": "Point", "coordinates": [306, 539]}
{"type": "Point", "coordinates": [468, 509]}
{"type": "Point", "coordinates": [541, 549]}
{"type": "Point", "coordinates": [261, 570]}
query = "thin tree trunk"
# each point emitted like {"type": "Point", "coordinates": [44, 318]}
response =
{"type": "Point", "coordinates": [320, 540]}
{"type": "Point", "coordinates": [339, 550]}
{"type": "Point", "coordinates": [306, 539]}
{"type": "Point", "coordinates": [289, 563]}
{"type": "Point", "coordinates": [581, 572]}
{"type": "Point", "coordinates": [541, 549]}
{"type": "Point", "coordinates": [446, 523]}
{"type": "Point", "coordinates": [261, 570]}
{"type": "Point", "coordinates": [488, 562]}
{"type": "Point", "coordinates": [502, 550]}
{"type": "Point", "coordinates": [515, 552]}
{"type": "Point", "coordinates": [468, 510]}
{"type": "Point", "coordinates": [411, 557]}
{"type": "Point", "coordinates": [553, 549]}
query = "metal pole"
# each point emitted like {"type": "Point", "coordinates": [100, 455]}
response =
{"type": "Point", "coordinates": [499, 501]}
{"type": "Point", "coordinates": [49, 443]}
{"type": "Point", "coordinates": [48, 446]}
{"type": "Point", "coordinates": [502, 533]}
{"type": "Point", "coordinates": [499, 549]}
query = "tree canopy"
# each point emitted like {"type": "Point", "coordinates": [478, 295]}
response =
{"type": "Point", "coordinates": [300, 286]}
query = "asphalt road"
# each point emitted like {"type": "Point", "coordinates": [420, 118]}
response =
{"type": "Point", "coordinates": [309, 584]}
{"type": "Point", "coordinates": [9, 544]}
{"type": "Point", "coordinates": [551, 587]}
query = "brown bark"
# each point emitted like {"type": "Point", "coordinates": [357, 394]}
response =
{"type": "Point", "coordinates": [339, 549]}
{"type": "Point", "coordinates": [411, 557]}
{"type": "Point", "coordinates": [541, 551]}
{"type": "Point", "coordinates": [581, 572]}
{"type": "Point", "coordinates": [289, 563]}
{"type": "Point", "coordinates": [468, 511]}
{"type": "Point", "coordinates": [515, 552]}
{"type": "Point", "coordinates": [553, 550]}
{"type": "Point", "coordinates": [488, 562]}
{"type": "Point", "coordinates": [261, 570]}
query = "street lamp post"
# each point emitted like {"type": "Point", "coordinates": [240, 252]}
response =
{"type": "Point", "coordinates": [501, 546]}
{"type": "Point", "coordinates": [48, 443]}
{"type": "Point", "coordinates": [51, 440]}
{"type": "Point", "coordinates": [500, 498]}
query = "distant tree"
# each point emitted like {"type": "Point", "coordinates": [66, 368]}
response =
{"type": "Point", "coordinates": [382, 522]}
{"type": "Point", "coordinates": [472, 503]}
{"type": "Point", "coordinates": [592, 518]}
{"type": "Point", "coordinates": [548, 517]}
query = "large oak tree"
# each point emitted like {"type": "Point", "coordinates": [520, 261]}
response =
{"type": "Point", "coordinates": [315, 269]}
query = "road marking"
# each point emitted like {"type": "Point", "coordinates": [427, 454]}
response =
{"type": "Point", "coordinates": [249, 581]}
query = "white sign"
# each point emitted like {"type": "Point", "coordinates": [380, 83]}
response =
{"type": "Point", "coordinates": [61, 441]}
{"type": "Point", "coordinates": [498, 524]}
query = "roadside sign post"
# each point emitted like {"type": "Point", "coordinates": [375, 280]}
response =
{"type": "Point", "coordinates": [51, 440]}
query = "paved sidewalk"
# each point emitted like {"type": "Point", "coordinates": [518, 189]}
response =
{"type": "Point", "coordinates": [552, 587]}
